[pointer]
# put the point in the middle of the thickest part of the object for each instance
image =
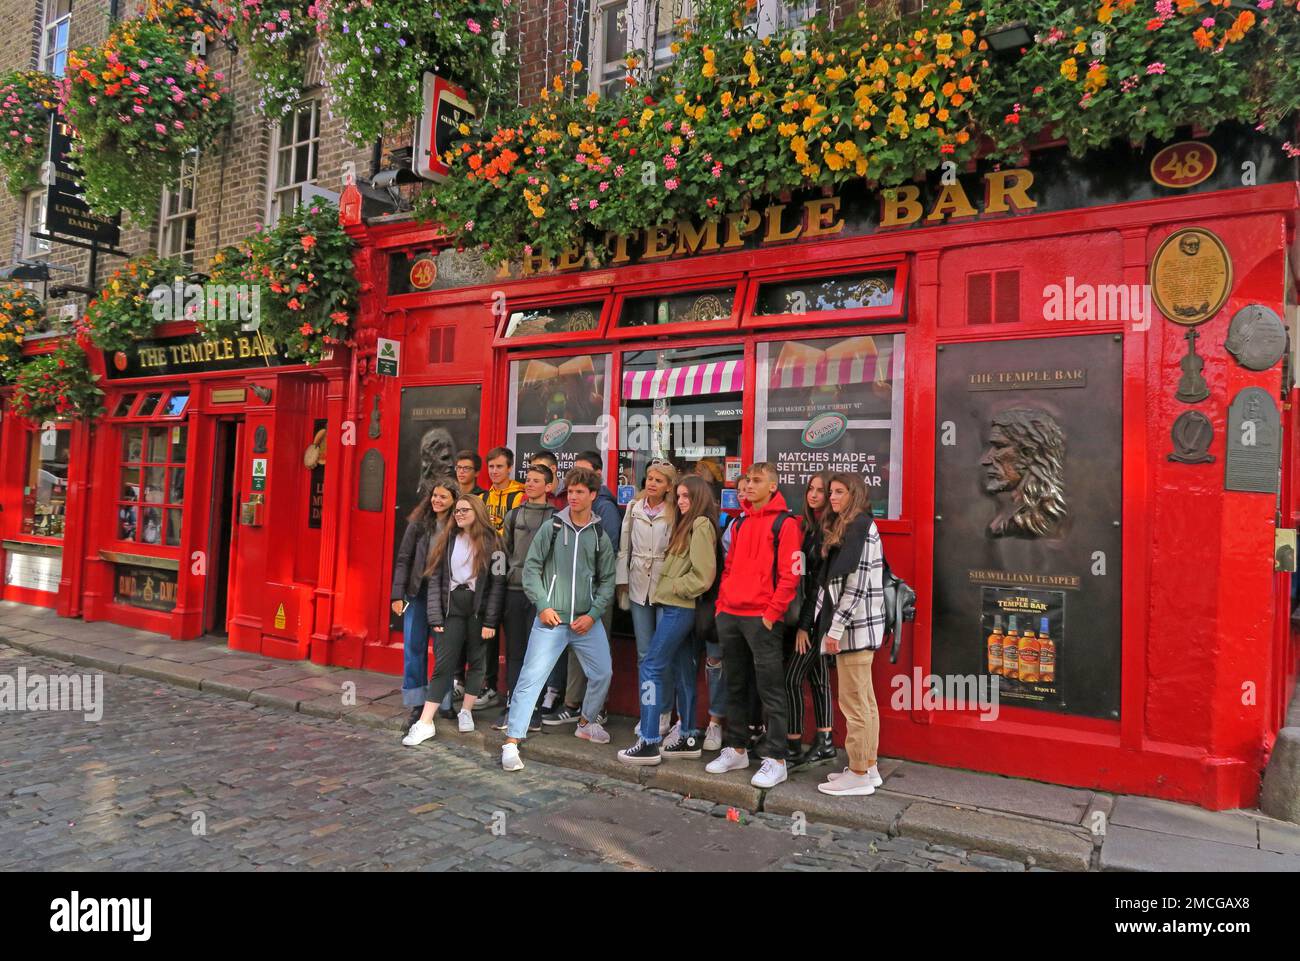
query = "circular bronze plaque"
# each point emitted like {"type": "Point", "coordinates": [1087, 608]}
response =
{"type": "Point", "coordinates": [1191, 276]}
{"type": "Point", "coordinates": [1256, 337]}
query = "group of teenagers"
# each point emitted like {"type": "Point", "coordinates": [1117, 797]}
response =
{"type": "Point", "coordinates": [768, 599]}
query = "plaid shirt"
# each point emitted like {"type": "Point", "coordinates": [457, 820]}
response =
{"type": "Point", "coordinates": [858, 620]}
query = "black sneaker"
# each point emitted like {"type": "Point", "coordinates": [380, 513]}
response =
{"type": "Point", "coordinates": [535, 722]}
{"type": "Point", "coordinates": [562, 715]}
{"type": "Point", "coordinates": [683, 746]}
{"type": "Point", "coordinates": [487, 698]}
{"type": "Point", "coordinates": [603, 717]}
{"type": "Point", "coordinates": [449, 713]}
{"type": "Point", "coordinates": [794, 755]}
{"type": "Point", "coordinates": [640, 753]}
{"type": "Point", "coordinates": [503, 722]}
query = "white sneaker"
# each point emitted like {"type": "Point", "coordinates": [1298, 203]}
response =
{"type": "Point", "coordinates": [729, 760]}
{"type": "Point", "coordinates": [848, 784]}
{"type": "Point", "coordinates": [713, 737]}
{"type": "Point", "coordinates": [465, 721]}
{"type": "Point", "coordinates": [418, 734]}
{"type": "Point", "coordinates": [667, 728]}
{"type": "Point", "coordinates": [872, 772]}
{"type": "Point", "coordinates": [770, 774]}
{"type": "Point", "coordinates": [510, 760]}
{"type": "Point", "coordinates": [593, 732]}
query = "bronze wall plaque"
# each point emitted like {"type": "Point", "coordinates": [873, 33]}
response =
{"type": "Point", "coordinates": [1192, 433]}
{"type": "Point", "coordinates": [1191, 276]}
{"type": "Point", "coordinates": [1256, 337]}
{"type": "Point", "coordinates": [370, 491]}
{"type": "Point", "coordinates": [1192, 388]}
{"type": "Point", "coordinates": [1254, 447]}
{"type": "Point", "coordinates": [229, 395]}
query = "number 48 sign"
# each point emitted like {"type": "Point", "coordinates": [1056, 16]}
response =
{"type": "Point", "coordinates": [1183, 165]}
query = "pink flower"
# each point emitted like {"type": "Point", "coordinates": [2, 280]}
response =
{"type": "Point", "coordinates": [670, 184]}
{"type": "Point", "coordinates": [604, 185]}
{"type": "Point", "coordinates": [138, 109]}
{"type": "Point", "coordinates": [618, 171]}
{"type": "Point", "coordinates": [1153, 68]}
{"type": "Point", "coordinates": [469, 225]}
{"type": "Point", "coordinates": [670, 162]}
{"type": "Point", "coordinates": [161, 128]}
{"type": "Point", "coordinates": [573, 205]}
{"type": "Point", "coordinates": [593, 204]}
{"type": "Point", "coordinates": [1208, 23]}
{"type": "Point", "coordinates": [1265, 4]}
{"type": "Point", "coordinates": [178, 124]}
{"type": "Point", "coordinates": [717, 170]}
{"type": "Point", "coordinates": [473, 26]}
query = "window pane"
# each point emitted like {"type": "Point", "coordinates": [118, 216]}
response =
{"type": "Point", "coordinates": [180, 436]}
{"type": "Point", "coordinates": [124, 405]}
{"type": "Point", "coordinates": [45, 491]}
{"type": "Point", "coordinates": [176, 404]}
{"type": "Point", "coordinates": [173, 528]}
{"type": "Point", "coordinates": [554, 320]}
{"type": "Point", "coordinates": [157, 445]}
{"type": "Point", "coordinates": [151, 525]}
{"type": "Point", "coordinates": [302, 161]}
{"type": "Point", "coordinates": [148, 405]}
{"type": "Point", "coordinates": [849, 292]}
{"type": "Point", "coordinates": [832, 404]}
{"type": "Point", "coordinates": [698, 305]}
{"type": "Point", "coordinates": [130, 490]}
{"type": "Point", "coordinates": [683, 406]}
{"type": "Point", "coordinates": [283, 169]}
{"type": "Point", "coordinates": [126, 527]}
{"type": "Point", "coordinates": [176, 490]}
{"type": "Point", "coordinates": [558, 405]}
{"type": "Point", "coordinates": [132, 445]}
{"type": "Point", "coordinates": [304, 118]}
{"type": "Point", "coordinates": [153, 485]}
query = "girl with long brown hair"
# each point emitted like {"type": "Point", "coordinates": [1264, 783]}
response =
{"type": "Point", "coordinates": [689, 570]}
{"type": "Point", "coordinates": [410, 594]}
{"type": "Point", "coordinates": [849, 623]}
{"type": "Point", "coordinates": [803, 660]}
{"type": "Point", "coordinates": [467, 588]}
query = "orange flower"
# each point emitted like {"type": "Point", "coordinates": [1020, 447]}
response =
{"type": "Point", "coordinates": [1204, 39]}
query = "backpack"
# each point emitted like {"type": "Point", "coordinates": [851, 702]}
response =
{"type": "Point", "coordinates": [900, 608]}
{"type": "Point", "coordinates": [791, 616]}
{"type": "Point", "coordinates": [558, 525]}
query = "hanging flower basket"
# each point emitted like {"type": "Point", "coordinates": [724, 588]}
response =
{"type": "Point", "coordinates": [123, 312]}
{"type": "Point", "coordinates": [58, 385]}
{"type": "Point", "coordinates": [306, 291]}
{"type": "Point", "coordinates": [377, 52]}
{"type": "Point", "coordinates": [27, 97]}
{"type": "Point", "coordinates": [277, 36]}
{"type": "Point", "coordinates": [21, 313]}
{"type": "Point", "coordinates": [139, 103]}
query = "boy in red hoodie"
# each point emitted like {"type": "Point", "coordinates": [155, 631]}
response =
{"type": "Point", "coordinates": [750, 618]}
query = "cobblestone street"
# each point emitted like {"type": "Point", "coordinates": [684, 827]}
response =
{"type": "Point", "coordinates": [177, 779]}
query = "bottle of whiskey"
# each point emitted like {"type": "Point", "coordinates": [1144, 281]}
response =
{"type": "Point", "coordinates": [1046, 655]}
{"type": "Point", "coordinates": [1011, 651]}
{"type": "Point", "coordinates": [995, 642]}
{"type": "Point", "coordinates": [1028, 655]}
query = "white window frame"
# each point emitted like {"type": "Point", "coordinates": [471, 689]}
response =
{"type": "Point", "coordinates": [277, 193]}
{"type": "Point", "coordinates": [34, 219]}
{"type": "Point", "coordinates": [774, 15]}
{"type": "Point", "coordinates": [50, 54]}
{"type": "Point", "coordinates": [171, 223]}
{"type": "Point", "coordinates": [641, 35]}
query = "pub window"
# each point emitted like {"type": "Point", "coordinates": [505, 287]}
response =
{"type": "Point", "coordinates": [833, 404]}
{"type": "Point", "coordinates": [558, 404]}
{"type": "Point", "coordinates": [621, 27]}
{"type": "Point", "coordinates": [697, 306]}
{"type": "Point", "coordinates": [34, 222]}
{"type": "Point", "coordinates": [540, 321]}
{"type": "Point", "coordinates": [293, 158]}
{"type": "Point", "coordinates": [180, 213]}
{"type": "Point", "coordinates": [54, 38]}
{"type": "Point", "coordinates": [817, 294]}
{"type": "Point", "coordinates": [45, 483]}
{"type": "Point", "coordinates": [769, 16]}
{"type": "Point", "coordinates": [609, 33]}
{"type": "Point", "coordinates": [684, 406]}
{"type": "Point", "coordinates": [124, 405]}
{"type": "Point", "coordinates": [151, 491]}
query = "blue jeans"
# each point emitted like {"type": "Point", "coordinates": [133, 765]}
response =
{"type": "Point", "coordinates": [670, 654]}
{"type": "Point", "coordinates": [717, 678]}
{"type": "Point", "coordinates": [415, 652]}
{"type": "Point", "coordinates": [645, 620]}
{"type": "Point", "coordinates": [545, 646]}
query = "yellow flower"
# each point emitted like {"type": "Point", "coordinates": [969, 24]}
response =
{"type": "Point", "coordinates": [928, 98]}
{"type": "Point", "coordinates": [787, 129]}
{"type": "Point", "coordinates": [837, 74]}
{"type": "Point", "coordinates": [1070, 70]}
{"type": "Point", "coordinates": [786, 56]}
{"type": "Point", "coordinates": [748, 59]}
{"type": "Point", "coordinates": [897, 116]}
{"type": "Point", "coordinates": [1095, 79]}
{"type": "Point", "coordinates": [574, 129]}
{"type": "Point", "coordinates": [968, 37]}
{"type": "Point", "coordinates": [734, 133]}
{"type": "Point", "coordinates": [942, 115]}
{"type": "Point", "coordinates": [726, 98]}
{"type": "Point", "coordinates": [757, 122]}
{"type": "Point", "coordinates": [847, 149]}
{"type": "Point", "coordinates": [709, 54]}
{"type": "Point", "coordinates": [576, 66]}
{"type": "Point", "coordinates": [921, 120]}
{"type": "Point", "coordinates": [834, 161]}
{"type": "Point", "coordinates": [943, 41]}
{"type": "Point", "coordinates": [753, 76]}
{"type": "Point", "coordinates": [709, 70]}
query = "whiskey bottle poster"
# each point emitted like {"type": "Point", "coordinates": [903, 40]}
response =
{"type": "Point", "coordinates": [1034, 622]}
{"type": "Point", "coordinates": [1028, 497]}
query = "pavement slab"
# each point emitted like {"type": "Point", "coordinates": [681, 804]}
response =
{"type": "Point", "coordinates": [1183, 820]}
{"type": "Point", "coordinates": [991, 792]}
{"type": "Point", "coordinates": [1133, 849]}
{"type": "Point", "coordinates": [1049, 845]}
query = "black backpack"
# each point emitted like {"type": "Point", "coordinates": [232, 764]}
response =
{"type": "Point", "coordinates": [900, 606]}
{"type": "Point", "coordinates": [791, 617]}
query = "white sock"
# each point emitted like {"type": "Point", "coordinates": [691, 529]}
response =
{"type": "Point", "coordinates": [548, 701]}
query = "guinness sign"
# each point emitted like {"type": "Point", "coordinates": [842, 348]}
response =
{"type": "Point", "coordinates": [66, 212]}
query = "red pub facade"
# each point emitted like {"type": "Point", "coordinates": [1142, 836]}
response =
{"type": "Point", "coordinates": [1062, 381]}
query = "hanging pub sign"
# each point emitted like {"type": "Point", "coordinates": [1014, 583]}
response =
{"type": "Point", "coordinates": [66, 212]}
{"type": "Point", "coordinates": [193, 354]}
{"type": "Point", "coordinates": [444, 121]}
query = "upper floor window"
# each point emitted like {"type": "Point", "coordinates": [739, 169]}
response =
{"type": "Point", "coordinates": [769, 16]}
{"type": "Point", "coordinates": [54, 37]}
{"type": "Point", "coordinates": [34, 222]}
{"type": "Point", "coordinates": [620, 27]}
{"type": "Point", "coordinates": [293, 158]}
{"type": "Point", "coordinates": [180, 210]}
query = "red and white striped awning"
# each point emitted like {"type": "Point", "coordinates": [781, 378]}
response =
{"type": "Point", "coordinates": [854, 362]}
{"type": "Point", "coordinates": [691, 380]}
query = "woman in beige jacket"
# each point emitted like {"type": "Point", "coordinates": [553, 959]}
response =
{"type": "Point", "coordinates": [647, 526]}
